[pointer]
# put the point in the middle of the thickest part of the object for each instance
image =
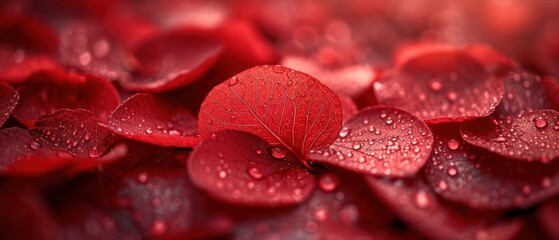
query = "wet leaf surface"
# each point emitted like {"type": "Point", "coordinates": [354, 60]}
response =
{"type": "Point", "coordinates": [278, 104]}
{"type": "Point", "coordinates": [157, 120]}
{"type": "Point", "coordinates": [8, 101]}
{"type": "Point", "coordinates": [524, 91]}
{"type": "Point", "coordinates": [241, 168]}
{"type": "Point", "coordinates": [380, 141]}
{"type": "Point", "coordinates": [530, 136]}
{"type": "Point", "coordinates": [482, 180]}
{"type": "Point", "coordinates": [446, 86]}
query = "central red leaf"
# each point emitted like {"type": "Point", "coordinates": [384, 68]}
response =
{"type": "Point", "coordinates": [282, 106]}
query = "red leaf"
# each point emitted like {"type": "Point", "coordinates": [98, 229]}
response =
{"type": "Point", "coordinates": [530, 136]}
{"type": "Point", "coordinates": [442, 86]}
{"type": "Point", "coordinates": [241, 168]}
{"type": "Point", "coordinates": [75, 131]}
{"type": "Point", "coordinates": [349, 109]}
{"type": "Point", "coordinates": [524, 91]}
{"type": "Point", "coordinates": [173, 60]}
{"type": "Point", "coordinates": [157, 120]}
{"type": "Point", "coordinates": [278, 104]}
{"type": "Point", "coordinates": [164, 204]}
{"type": "Point", "coordinates": [87, 46]}
{"type": "Point", "coordinates": [46, 92]}
{"type": "Point", "coordinates": [417, 205]}
{"type": "Point", "coordinates": [380, 141]}
{"type": "Point", "coordinates": [8, 101]}
{"type": "Point", "coordinates": [482, 180]}
{"type": "Point", "coordinates": [350, 81]}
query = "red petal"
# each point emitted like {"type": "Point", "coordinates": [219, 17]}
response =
{"type": "Point", "coordinates": [243, 169]}
{"type": "Point", "coordinates": [163, 203]}
{"type": "Point", "coordinates": [278, 104]}
{"type": "Point", "coordinates": [482, 180]}
{"type": "Point", "coordinates": [552, 88]}
{"type": "Point", "coordinates": [380, 141]}
{"type": "Point", "coordinates": [173, 60]}
{"type": "Point", "coordinates": [28, 33]}
{"type": "Point", "coordinates": [86, 46]}
{"type": "Point", "coordinates": [444, 86]}
{"type": "Point", "coordinates": [47, 92]}
{"type": "Point", "coordinates": [417, 205]}
{"type": "Point", "coordinates": [18, 65]}
{"type": "Point", "coordinates": [351, 81]}
{"type": "Point", "coordinates": [530, 136]}
{"type": "Point", "coordinates": [75, 131]}
{"type": "Point", "coordinates": [349, 109]}
{"type": "Point", "coordinates": [492, 60]}
{"type": "Point", "coordinates": [8, 101]}
{"type": "Point", "coordinates": [548, 218]}
{"type": "Point", "coordinates": [157, 120]}
{"type": "Point", "coordinates": [524, 91]}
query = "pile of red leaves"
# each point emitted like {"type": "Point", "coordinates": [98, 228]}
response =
{"type": "Point", "coordinates": [279, 119]}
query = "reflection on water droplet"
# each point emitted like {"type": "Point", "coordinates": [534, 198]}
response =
{"type": "Point", "coordinates": [255, 173]}
{"type": "Point", "coordinates": [499, 139]}
{"type": "Point", "coordinates": [258, 152]}
{"type": "Point", "coordinates": [159, 227]}
{"type": "Point", "coordinates": [451, 96]}
{"type": "Point", "coordinates": [278, 153]}
{"type": "Point", "coordinates": [540, 122]}
{"type": "Point", "coordinates": [328, 182]}
{"type": "Point", "coordinates": [222, 174]}
{"type": "Point", "coordinates": [34, 145]}
{"type": "Point", "coordinates": [435, 85]}
{"type": "Point", "coordinates": [142, 177]}
{"type": "Point", "coordinates": [442, 185]}
{"type": "Point", "coordinates": [149, 131]}
{"type": "Point", "coordinates": [356, 146]}
{"type": "Point", "coordinates": [344, 132]}
{"type": "Point", "coordinates": [421, 199]}
{"type": "Point", "coordinates": [232, 81]}
{"type": "Point", "coordinates": [321, 214]}
{"type": "Point", "coordinates": [94, 152]}
{"type": "Point", "coordinates": [453, 144]}
{"type": "Point", "coordinates": [452, 171]}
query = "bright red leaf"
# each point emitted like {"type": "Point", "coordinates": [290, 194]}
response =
{"type": "Point", "coordinates": [173, 60]}
{"type": "Point", "coordinates": [530, 136]}
{"type": "Point", "coordinates": [417, 205]}
{"type": "Point", "coordinates": [441, 86]}
{"type": "Point", "coordinates": [46, 92]}
{"type": "Point", "coordinates": [477, 178]}
{"type": "Point", "coordinates": [8, 101]}
{"type": "Point", "coordinates": [157, 120]}
{"type": "Point", "coordinates": [283, 106]}
{"type": "Point", "coordinates": [380, 141]}
{"type": "Point", "coordinates": [241, 168]}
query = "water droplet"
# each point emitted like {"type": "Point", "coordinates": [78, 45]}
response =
{"type": "Point", "coordinates": [222, 174]}
{"type": "Point", "coordinates": [328, 182]}
{"type": "Point", "coordinates": [159, 227]}
{"type": "Point", "coordinates": [357, 146]}
{"type": "Point", "coordinates": [422, 199]}
{"type": "Point", "coordinates": [499, 139]}
{"type": "Point", "coordinates": [435, 85]}
{"type": "Point", "coordinates": [451, 96]}
{"type": "Point", "coordinates": [452, 171]}
{"type": "Point", "coordinates": [258, 152]}
{"type": "Point", "coordinates": [540, 122]}
{"type": "Point", "coordinates": [389, 121]}
{"type": "Point", "coordinates": [278, 153]}
{"type": "Point", "coordinates": [278, 69]}
{"type": "Point", "coordinates": [34, 145]}
{"type": "Point", "coordinates": [142, 177]}
{"type": "Point", "coordinates": [149, 131]}
{"type": "Point", "coordinates": [255, 173]}
{"type": "Point", "coordinates": [453, 144]}
{"type": "Point", "coordinates": [232, 81]}
{"type": "Point", "coordinates": [442, 185]}
{"type": "Point", "coordinates": [344, 132]}
{"type": "Point", "coordinates": [94, 152]}
{"type": "Point", "coordinates": [321, 214]}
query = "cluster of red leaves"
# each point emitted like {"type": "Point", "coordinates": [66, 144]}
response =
{"type": "Point", "coordinates": [279, 119]}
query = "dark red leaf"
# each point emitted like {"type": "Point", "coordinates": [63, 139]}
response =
{"type": "Point", "coordinates": [380, 141]}
{"type": "Point", "coordinates": [157, 120]}
{"type": "Point", "coordinates": [27, 33]}
{"type": "Point", "coordinates": [278, 104]}
{"type": "Point", "coordinates": [46, 92]}
{"type": "Point", "coordinates": [552, 88]}
{"type": "Point", "coordinates": [524, 91]}
{"type": "Point", "coordinates": [22, 155]}
{"type": "Point", "coordinates": [164, 204]}
{"type": "Point", "coordinates": [75, 131]}
{"type": "Point", "coordinates": [548, 218]}
{"type": "Point", "coordinates": [8, 101]}
{"type": "Point", "coordinates": [441, 86]}
{"type": "Point", "coordinates": [418, 206]}
{"type": "Point", "coordinates": [87, 46]}
{"type": "Point", "coordinates": [17, 65]}
{"type": "Point", "coordinates": [350, 81]}
{"type": "Point", "coordinates": [241, 168]}
{"type": "Point", "coordinates": [530, 136]}
{"type": "Point", "coordinates": [173, 60]}
{"type": "Point", "coordinates": [482, 180]}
